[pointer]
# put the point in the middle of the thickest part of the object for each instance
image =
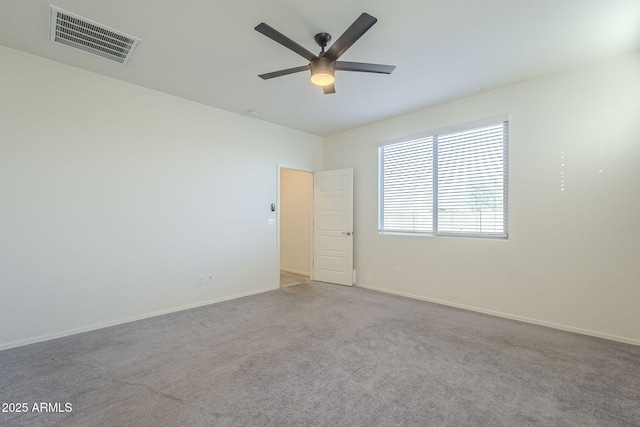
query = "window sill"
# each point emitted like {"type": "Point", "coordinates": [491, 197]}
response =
{"type": "Point", "coordinates": [464, 236]}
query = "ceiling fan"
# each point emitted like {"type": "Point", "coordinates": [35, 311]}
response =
{"type": "Point", "coordinates": [324, 65]}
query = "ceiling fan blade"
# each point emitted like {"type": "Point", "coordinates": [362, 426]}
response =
{"type": "Point", "coordinates": [284, 72]}
{"type": "Point", "coordinates": [329, 89]}
{"type": "Point", "coordinates": [349, 37]}
{"type": "Point", "coordinates": [284, 41]}
{"type": "Point", "coordinates": [364, 67]}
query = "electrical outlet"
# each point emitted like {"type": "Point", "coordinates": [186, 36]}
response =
{"type": "Point", "coordinates": [396, 272]}
{"type": "Point", "coordinates": [201, 279]}
{"type": "Point", "coordinates": [210, 278]}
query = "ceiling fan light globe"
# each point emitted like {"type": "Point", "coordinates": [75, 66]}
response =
{"type": "Point", "coordinates": [322, 78]}
{"type": "Point", "coordinates": [322, 70]}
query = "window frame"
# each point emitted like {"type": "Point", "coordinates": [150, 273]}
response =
{"type": "Point", "coordinates": [434, 133]}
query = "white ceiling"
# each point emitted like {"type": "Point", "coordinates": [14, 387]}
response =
{"type": "Point", "coordinates": [208, 51]}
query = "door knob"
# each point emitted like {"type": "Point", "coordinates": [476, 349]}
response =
{"type": "Point", "coordinates": [348, 233]}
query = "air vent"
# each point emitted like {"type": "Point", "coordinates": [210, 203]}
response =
{"type": "Point", "coordinates": [84, 34]}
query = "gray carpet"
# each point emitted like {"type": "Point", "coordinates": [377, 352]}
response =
{"type": "Point", "coordinates": [322, 355]}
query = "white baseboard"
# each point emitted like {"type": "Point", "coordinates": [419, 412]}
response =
{"type": "Point", "coordinates": [509, 316]}
{"type": "Point", "coordinates": [89, 328]}
{"type": "Point", "coordinates": [568, 328]}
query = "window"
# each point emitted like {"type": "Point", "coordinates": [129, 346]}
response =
{"type": "Point", "coordinates": [451, 182]}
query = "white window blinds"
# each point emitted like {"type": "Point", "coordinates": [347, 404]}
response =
{"type": "Point", "coordinates": [406, 186]}
{"type": "Point", "coordinates": [446, 183]}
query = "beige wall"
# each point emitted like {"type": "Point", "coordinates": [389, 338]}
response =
{"type": "Point", "coordinates": [296, 221]}
{"type": "Point", "coordinates": [113, 198]}
{"type": "Point", "coordinates": [572, 257]}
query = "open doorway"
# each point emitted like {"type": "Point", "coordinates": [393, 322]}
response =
{"type": "Point", "coordinates": [296, 226]}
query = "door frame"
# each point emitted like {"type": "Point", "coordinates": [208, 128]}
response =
{"type": "Point", "coordinates": [279, 168]}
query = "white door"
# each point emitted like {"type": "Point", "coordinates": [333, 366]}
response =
{"type": "Point", "coordinates": [333, 227]}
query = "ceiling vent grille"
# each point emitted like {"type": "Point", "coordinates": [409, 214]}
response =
{"type": "Point", "coordinates": [81, 33]}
